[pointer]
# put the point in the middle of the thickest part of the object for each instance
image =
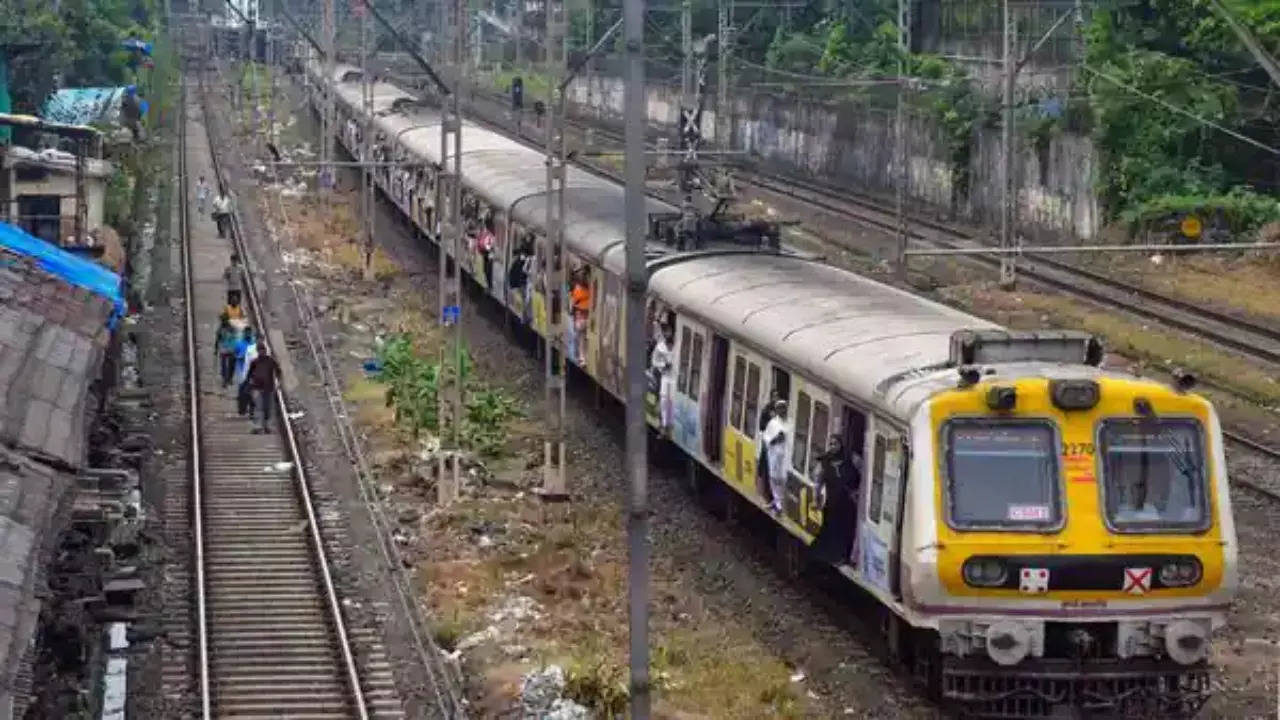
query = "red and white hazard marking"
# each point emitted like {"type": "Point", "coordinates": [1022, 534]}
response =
{"type": "Point", "coordinates": [1034, 580]}
{"type": "Point", "coordinates": [1137, 581]}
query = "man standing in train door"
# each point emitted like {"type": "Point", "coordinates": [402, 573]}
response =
{"type": "Point", "coordinates": [762, 456]}
{"type": "Point", "coordinates": [775, 446]}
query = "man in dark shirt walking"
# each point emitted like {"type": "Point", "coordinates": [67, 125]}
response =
{"type": "Point", "coordinates": [262, 379]}
{"type": "Point", "coordinates": [234, 276]}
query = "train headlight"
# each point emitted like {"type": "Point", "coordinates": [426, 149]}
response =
{"type": "Point", "coordinates": [985, 572]}
{"type": "Point", "coordinates": [1008, 642]}
{"type": "Point", "coordinates": [1183, 572]}
{"type": "Point", "coordinates": [1187, 642]}
{"type": "Point", "coordinates": [1074, 394]}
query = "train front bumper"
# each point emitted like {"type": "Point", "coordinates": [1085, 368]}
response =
{"type": "Point", "coordinates": [1097, 688]}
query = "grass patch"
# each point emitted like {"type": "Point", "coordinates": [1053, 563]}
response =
{"type": "Point", "coordinates": [1144, 343]}
{"type": "Point", "coordinates": [1253, 288]}
{"type": "Point", "coordinates": [706, 668]}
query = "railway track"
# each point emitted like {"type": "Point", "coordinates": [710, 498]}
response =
{"type": "Point", "coordinates": [271, 638]}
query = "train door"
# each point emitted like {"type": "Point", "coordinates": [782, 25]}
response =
{"type": "Point", "coordinates": [745, 391]}
{"type": "Point", "coordinates": [879, 537]}
{"type": "Point", "coordinates": [811, 427]}
{"type": "Point", "coordinates": [690, 369]}
{"type": "Point", "coordinates": [713, 416]}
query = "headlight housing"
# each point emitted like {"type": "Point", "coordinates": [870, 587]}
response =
{"type": "Point", "coordinates": [1183, 572]}
{"type": "Point", "coordinates": [985, 572]}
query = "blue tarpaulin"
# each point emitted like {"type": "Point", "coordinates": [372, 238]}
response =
{"type": "Point", "coordinates": [72, 268]}
{"type": "Point", "coordinates": [84, 106]}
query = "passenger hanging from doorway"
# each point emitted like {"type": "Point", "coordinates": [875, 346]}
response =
{"type": "Point", "coordinates": [839, 476]}
{"type": "Point", "coordinates": [222, 213]}
{"type": "Point", "coordinates": [262, 381]}
{"type": "Point", "coordinates": [246, 353]}
{"type": "Point", "coordinates": [518, 275]}
{"type": "Point", "coordinates": [484, 243]}
{"type": "Point", "coordinates": [775, 446]}
{"type": "Point", "coordinates": [234, 277]}
{"type": "Point", "coordinates": [660, 367]}
{"type": "Point", "coordinates": [580, 297]}
{"type": "Point", "coordinates": [762, 457]}
{"type": "Point", "coordinates": [202, 195]}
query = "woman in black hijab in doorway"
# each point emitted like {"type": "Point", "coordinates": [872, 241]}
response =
{"type": "Point", "coordinates": [840, 475]}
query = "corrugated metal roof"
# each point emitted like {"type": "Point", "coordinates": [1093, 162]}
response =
{"type": "Point", "coordinates": [84, 106]}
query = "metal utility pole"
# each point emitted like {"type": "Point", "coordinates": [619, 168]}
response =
{"type": "Point", "coordinates": [900, 134]}
{"type": "Point", "coordinates": [591, 61]}
{"type": "Point", "coordinates": [327, 116]}
{"type": "Point", "coordinates": [519, 35]}
{"type": "Point", "coordinates": [1008, 267]}
{"type": "Point", "coordinates": [367, 201]}
{"type": "Point", "coordinates": [686, 48]}
{"type": "Point", "coordinates": [449, 205]}
{"type": "Point", "coordinates": [555, 357]}
{"type": "Point", "coordinates": [273, 31]}
{"type": "Point", "coordinates": [724, 47]}
{"type": "Point", "coordinates": [636, 432]}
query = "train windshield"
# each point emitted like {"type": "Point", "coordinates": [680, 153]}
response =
{"type": "Point", "coordinates": [1153, 474]}
{"type": "Point", "coordinates": [1002, 474]}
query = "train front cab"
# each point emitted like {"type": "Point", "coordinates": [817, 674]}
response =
{"type": "Point", "coordinates": [1077, 550]}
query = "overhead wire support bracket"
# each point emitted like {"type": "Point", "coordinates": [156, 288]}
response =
{"type": "Point", "coordinates": [409, 48]}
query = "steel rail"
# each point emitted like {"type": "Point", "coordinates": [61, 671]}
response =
{"type": "Point", "coordinates": [193, 408]}
{"type": "Point", "coordinates": [428, 651]}
{"type": "Point", "coordinates": [1095, 295]}
{"type": "Point", "coordinates": [350, 668]}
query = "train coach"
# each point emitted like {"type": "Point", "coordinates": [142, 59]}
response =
{"type": "Point", "coordinates": [1042, 535]}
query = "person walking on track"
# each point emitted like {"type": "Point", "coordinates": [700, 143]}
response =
{"type": "Point", "coordinates": [246, 353]}
{"type": "Point", "coordinates": [202, 195]}
{"type": "Point", "coordinates": [262, 379]}
{"type": "Point", "coordinates": [225, 349]}
{"type": "Point", "coordinates": [234, 276]}
{"type": "Point", "coordinates": [222, 213]}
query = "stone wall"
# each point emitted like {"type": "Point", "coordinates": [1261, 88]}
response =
{"type": "Point", "coordinates": [852, 146]}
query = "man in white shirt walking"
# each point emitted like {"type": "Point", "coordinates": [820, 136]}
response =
{"type": "Point", "coordinates": [202, 195]}
{"type": "Point", "coordinates": [222, 213]}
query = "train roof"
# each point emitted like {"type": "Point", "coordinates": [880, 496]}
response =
{"type": "Point", "coordinates": [873, 341]}
{"type": "Point", "coordinates": [510, 175]}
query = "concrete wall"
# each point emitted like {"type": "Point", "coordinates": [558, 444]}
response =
{"type": "Point", "coordinates": [850, 145]}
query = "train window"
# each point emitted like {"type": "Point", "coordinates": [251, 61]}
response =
{"type": "Point", "coordinates": [877, 480]}
{"type": "Point", "coordinates": [695, 367]}
{"type": "Point", "coordinates": [739, 382]}
{"type": "Point", "coordinates": [1002, 474]}
{"type": "Point", "coordinates": [818, 430]}
{"type": "Point", "coordinates": [799, 450]}
{"type": "Point", "coordinates": [752, 400]}
{"type": "Point", "coordinates": [682, 379]}
{"type": "Point", "coordinates": [1153, 475]}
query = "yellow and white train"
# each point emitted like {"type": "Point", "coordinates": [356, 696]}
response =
{"type": "Point", "coordinates": [1044, 537]}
